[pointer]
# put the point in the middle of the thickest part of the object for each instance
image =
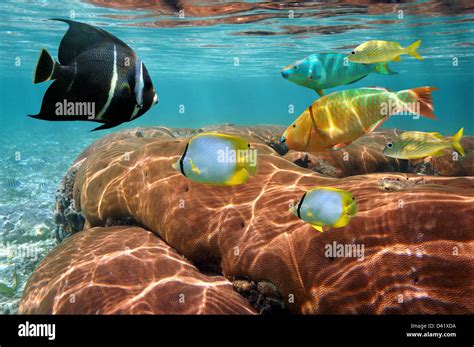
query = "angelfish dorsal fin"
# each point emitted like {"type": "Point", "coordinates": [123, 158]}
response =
{"type": "Point", "coordinates": [81, 37]}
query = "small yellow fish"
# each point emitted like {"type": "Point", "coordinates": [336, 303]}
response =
{"type": "Point", "coordinates": [378, 51]}
{"type": "Point", "coordinates": [217, 159]}
{"type": "Point", "coordinates": [325, 206]}
{"type": "Point", "coordinates": [416, 145]}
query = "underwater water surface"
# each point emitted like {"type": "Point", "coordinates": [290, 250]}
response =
{"type": "Point", "coordinates": [207, 69]}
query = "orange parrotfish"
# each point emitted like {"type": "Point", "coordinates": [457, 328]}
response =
{"type": "Point", "coordinates": [335, 120]}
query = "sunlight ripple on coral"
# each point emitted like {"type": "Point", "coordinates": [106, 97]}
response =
{"type": "Point", "coordinates": [125, 270]}
{"type": "Point", "coordinates": [416, 259]}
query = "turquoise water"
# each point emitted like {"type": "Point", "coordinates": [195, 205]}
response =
{"type": "Point", "coordinates": [204, 74]}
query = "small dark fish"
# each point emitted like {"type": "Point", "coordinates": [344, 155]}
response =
{"type": "Point", "coordinates": [11, 183]}
{"type": "Point", "coordinates": [99, 78]}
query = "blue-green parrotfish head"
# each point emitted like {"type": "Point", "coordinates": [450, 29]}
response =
{"type": "Point", "coordinates": [322, 71]}
{"type": "Point", "coordinates": [301, 71]}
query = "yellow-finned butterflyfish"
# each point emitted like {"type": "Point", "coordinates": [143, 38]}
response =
{"type": "Point", "coordinates": [217, 159]}
{"type": "Point", "coordinates": [326, 206]}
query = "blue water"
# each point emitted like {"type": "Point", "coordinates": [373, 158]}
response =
{"type": "Point", "coordinates": [194, 69]}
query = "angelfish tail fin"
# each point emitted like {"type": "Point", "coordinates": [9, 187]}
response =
{"type": "Point", "coordinates": [46, 68]}
{"type": "Point", "coordinates": [457, 142]}
{"type": "Point", "coordinates": [411, 50]}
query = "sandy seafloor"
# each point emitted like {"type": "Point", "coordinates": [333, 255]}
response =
{"type": "Point", "coordinates": [33, 163]}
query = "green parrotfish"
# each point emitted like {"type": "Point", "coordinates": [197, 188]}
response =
{"type": "Point", "coordinates": [329, 70]}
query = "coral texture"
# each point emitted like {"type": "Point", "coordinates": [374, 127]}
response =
{"type": "Point", "coordinates": [125, 270]}
{"type": "Point", "coordinates": [416, 231]}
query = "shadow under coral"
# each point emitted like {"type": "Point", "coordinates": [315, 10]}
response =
{"type": "Point", "coordinates": [416, 232]}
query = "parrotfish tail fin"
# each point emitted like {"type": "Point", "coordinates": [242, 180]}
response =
{"type": "Point", "coordinates": [46, 68]}
{"type": "Point", "coordinates": [457, 142]}
{"type": "Point", "coordinates": [411, 50]}
{"type": "Point", "coordinates": [383, 69]}
{"type": "Point", "coordinates": [424, 98]}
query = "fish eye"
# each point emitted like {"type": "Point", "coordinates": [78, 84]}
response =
{"type": "Point", "coordinates": [294, 125]}
{"type": "Point", "coordinates": [295, 67]}
{"type": "Point", "coordinates": [389, 145]}
{"type": "Point", "coordinates": [353, 52]}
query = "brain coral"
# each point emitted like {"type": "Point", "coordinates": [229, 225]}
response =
{"type": "Point", "coordinates": [125, 270]}
{"type": "Point", "coordinates": [415, 233]}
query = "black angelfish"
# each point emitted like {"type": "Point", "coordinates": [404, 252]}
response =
{"type": "Point", "coordinates": [99, 78]}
